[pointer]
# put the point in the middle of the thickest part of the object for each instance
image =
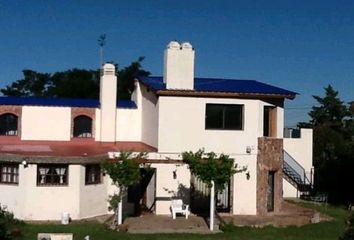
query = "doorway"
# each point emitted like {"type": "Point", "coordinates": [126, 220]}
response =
{"type": "Point", "coordinates": [270, 191]}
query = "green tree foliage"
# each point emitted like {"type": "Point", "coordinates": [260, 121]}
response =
{"type": "Point", "coordinates": [9, 226]}
{"type": "Point", "coordinates": [126, 78]}
{"type": "Point", "coordinates": [73, 83]}
{"type": "Point", "coordinates": [333, 130]}
{"type": "Point", "coordinates": [124, 172]}
{"type": "Point", "coordinates": [210, 167]}
{"type": "Point", "coordinates": [349, 230]}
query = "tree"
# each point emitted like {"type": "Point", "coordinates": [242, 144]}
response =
{"type": "Point", "coordinates": [333, 130]}
{"type": "Point", "coordinates": [73, 83]}
{"type": "Point", "coordinates": [10, 228]}
{"type": "Point", "coordinates": [349, 229]}
{"type": "Point", "coordinates": [124, 172]}
{"type": "Point", "coordinates": [32, 84]}
{"type": "Point", "coordinates": [214, 170]}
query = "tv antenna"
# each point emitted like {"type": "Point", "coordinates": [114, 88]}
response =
{"type": "Point", "coordinates": [101, 42]}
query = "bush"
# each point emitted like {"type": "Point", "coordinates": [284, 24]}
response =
{"type": "Point", "coordinates": [9, 226]}
{"type": "Point", "coordinates": [349, 230]}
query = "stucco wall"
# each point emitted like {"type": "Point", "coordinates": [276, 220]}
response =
{"type": "Point", "coordinates": [182, 126]}
{"type": "Point", "coordinates": [46, 123]}
{"type": "Point", "coordinates": [149, 116]}
{"type": "Point", "coordinates": [301, 150]}
{"type": "Point", "coordinates": [48, 202]}
{"type": "Point", "coordinates": [93, 197]}
{"type": "Point", "coordinates": [244, 190]}
{"type": "Point", "coordinates": [31, 202]}
{"type": "Point", "coordinates": [168, 187]}
{"type": "Point", "coordinates": [128, 125]}
{"type": "Point", "coordinates": [12, 196]}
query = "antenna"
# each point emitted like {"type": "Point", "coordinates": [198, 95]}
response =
{"type": "Point", "coordinates": [101, 42]}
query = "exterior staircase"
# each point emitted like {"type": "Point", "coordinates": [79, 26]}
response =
{"type": "Point", "coordinates": [295, 174]}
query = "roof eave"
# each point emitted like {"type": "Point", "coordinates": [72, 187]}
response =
{"type": "Point", "coordinates": [192, 93]}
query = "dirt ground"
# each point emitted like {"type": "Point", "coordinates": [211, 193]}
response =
{"type": "Point", "coordinates": [165, 224]}
{"type": "Point", "coordinates": [291, 215]}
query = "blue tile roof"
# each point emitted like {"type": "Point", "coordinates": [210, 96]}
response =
{"type": "Point", "coordinates": [222, 85]}
{"type": "Point", "coordinates": [60, 102]}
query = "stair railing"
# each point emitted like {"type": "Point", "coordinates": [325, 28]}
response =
{"type": "Point", "coordinates": [296, 167]}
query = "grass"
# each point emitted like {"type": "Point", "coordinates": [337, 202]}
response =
{"type": "Point", "coordinates": [324, 230]}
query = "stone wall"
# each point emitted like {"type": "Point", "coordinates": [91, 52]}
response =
{"type": "Point", "coordinates": [269, 158]}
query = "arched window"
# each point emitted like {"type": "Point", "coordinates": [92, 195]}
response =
{"type": "Point", "coordinates": [82, 127]}
{"type": "Point", "coordinates": [8, 124]}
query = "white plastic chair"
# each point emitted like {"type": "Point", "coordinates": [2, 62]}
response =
{"type": "Point", "coordinates": [177, 206]}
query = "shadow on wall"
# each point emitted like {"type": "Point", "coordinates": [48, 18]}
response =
{"type": "Point", "coordinates": [182, 192]}
{"type": "Point", "coordinates": [198, 201]}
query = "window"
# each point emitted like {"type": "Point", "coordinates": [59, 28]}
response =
{"type": "Point", "coordinates": [82, 127]}
{"type": "Point", "coordinates": [8, 124]}
{"type": "Point", "coordinates": [93, 174]}
{"type": "Point", "coordinates": [9, 173]}
{"type": "Point", "coordinates": [224, 116]}
{"type": "Point", "coordinates": [52, 174]}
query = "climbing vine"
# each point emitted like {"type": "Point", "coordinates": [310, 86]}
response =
{"type": "Point", "coordinates": [210, 167]}
{"type": "Point", "coordinates": [124, 172]}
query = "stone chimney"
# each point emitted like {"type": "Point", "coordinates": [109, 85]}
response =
{"type": "Point", "coordinates": [108, 101]}
{"type": "Point", "coordinates": [179, 66]}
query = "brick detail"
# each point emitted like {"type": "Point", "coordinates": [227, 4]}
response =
{"type": "Point", "coordinates": [269, 158]}
{"type": "Point", "coordinates": [16, 110]}
{"type": "Point", "coordinates": [89, 112]}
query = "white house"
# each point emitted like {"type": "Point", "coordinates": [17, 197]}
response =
{"type": "Point", "coordinates": [51, 149]}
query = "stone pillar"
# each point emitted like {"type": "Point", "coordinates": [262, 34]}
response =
{"type": "Point", "coordinates": [269, 159]}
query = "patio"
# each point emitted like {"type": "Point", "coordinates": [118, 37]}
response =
{"type": "Point", "coordinates": [151, 223]}
{"type": "Point", "coordinates": [291, 215]}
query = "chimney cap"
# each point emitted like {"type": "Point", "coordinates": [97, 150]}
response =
{"type": "Point", "coordinates": [186, 45]}
{"type": "Point", "coordinates": [174, 45]}
{"type": "Point", "coordinates": [108, 66]}
{"type": "Point", "coordinates": [108, 69]}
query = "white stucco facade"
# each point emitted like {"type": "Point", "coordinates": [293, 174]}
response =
{"type": "Point", "coordinates": [46, 123]}
{"type": "Point", "coordinates": [166, 118]}
{"type": "Point", "coordinates": [29, 201]}
{"type": "Point", "coordinates": [301, 150]}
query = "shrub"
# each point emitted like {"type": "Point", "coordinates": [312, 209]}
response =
{"type": "Point", "coordinates": [9, 226]}
{"type": "Point", "coordinates": [349, 230]}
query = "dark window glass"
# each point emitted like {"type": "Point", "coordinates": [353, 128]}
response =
{"type": "Point", "coordinates": [82, 127]}
{"type": "Point", "coordinates": [56, 174]}
{"type": "Point", "coordinates": [9, 173]}
{"type": "Point", "coordinates": [8, 124]}
{"type": "Point", "coordinates": [93, 174]}
{"type": "Point", "coordinates": [266, 121]}
{"type": "Point", "coordinates": [224, 116]}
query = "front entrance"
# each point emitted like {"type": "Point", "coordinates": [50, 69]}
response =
{"type": "Point", "coordinates": [270, 191]}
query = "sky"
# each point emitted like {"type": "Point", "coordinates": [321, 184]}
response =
{"type": "Point", "coordinates": [299, 45]}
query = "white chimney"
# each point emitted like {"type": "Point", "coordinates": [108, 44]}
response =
{"type": "Point", "coordinates": [108, 101]}
{"type": "Point", "coordinates": [179, 66]}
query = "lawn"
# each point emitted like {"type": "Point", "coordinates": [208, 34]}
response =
{"type": "Point", "coordinates": [324, 230]}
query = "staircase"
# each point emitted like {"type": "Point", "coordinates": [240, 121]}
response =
{"type": "Point", "coordinates": [295, 174]}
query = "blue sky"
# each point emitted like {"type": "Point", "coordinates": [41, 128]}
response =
{"type": "Point", "coordinates": [299, 45]}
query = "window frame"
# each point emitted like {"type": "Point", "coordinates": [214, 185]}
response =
{"type": "Point", "coordinates": [224, 108]}
{"type": "Point", "coordinates": [52, 175]}
{"type": "Point", "coordinates": [9, 124]}
{"type": "Point", "coordinates": [96, 170]}
{"type": "Point", "coordinates": [14, 175]}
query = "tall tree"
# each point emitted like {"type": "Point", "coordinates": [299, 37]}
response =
{"type": "Point", "coordinates": [73, 83]}
{"type": "Point", "coordinates": [332, 124]}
